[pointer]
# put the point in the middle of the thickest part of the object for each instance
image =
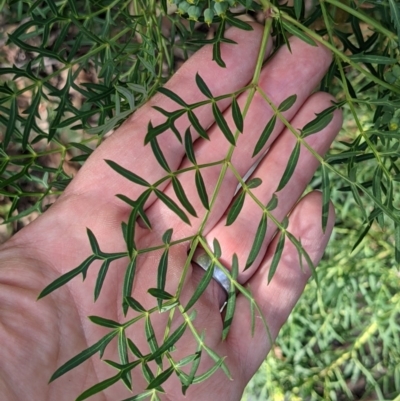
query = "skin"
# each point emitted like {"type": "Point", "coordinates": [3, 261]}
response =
{"type": "Point", "coordinates": [42, 335]}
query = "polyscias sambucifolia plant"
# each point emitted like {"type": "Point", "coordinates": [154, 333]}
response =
{"type": "Point", "coordinates": [131, 64]}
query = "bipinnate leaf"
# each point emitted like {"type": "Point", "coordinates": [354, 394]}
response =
{"type": "Point", "coordinates": [287, 103]}
{"type": "Point", "coordinates": [235, 209]}
{"type": "Point", "coordinates": [290, 167]}
{"type": "Point", "coordinates": [265, 135]}
{"type": "Point", "coordinates": [203, 86]}
{"type": "Point", "coordinates": [65, 278]}
{"type": "Point", "coordinates": [127, 174]}
{"type": "Point", "coordinates": [231, 301]}
{"type": "Point", "coordinates": [172, 205]}
{"type": "Point", "coordinates": [237, 115]}
{"type": "Point", "coordinates": [181, 195]}
{"type": "Point", "coordinates": [84, 355]}
{"type": "Point", "coordinates": [201, 287]}
{"type": "Point", "coordinates": [222, 124]}
{"type": "Point", "coordinates": [277, 256]}
{"type": "Point", "coordinates": [258, 241]}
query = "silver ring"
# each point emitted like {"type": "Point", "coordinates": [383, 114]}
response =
{"type": "Point", "coordinates": [202, 259]}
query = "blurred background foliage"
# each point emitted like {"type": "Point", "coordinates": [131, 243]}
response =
{"type": "Point", "coordinates": [72, 71]}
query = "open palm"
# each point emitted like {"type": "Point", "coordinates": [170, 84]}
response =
{"type": "Point", "coordinates": [37, 337]}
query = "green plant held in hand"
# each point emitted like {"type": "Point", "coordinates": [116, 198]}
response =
{"type": "Point", "coordinates": [169, 184]}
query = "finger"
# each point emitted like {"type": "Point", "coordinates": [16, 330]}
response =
{"type": "Point", "coordinates": [126, 146]}
{"type": "Point", "coordinates": [278, 298]}
{"type": "Point", "coordinates": [239, 237]}
{"type": "Point", "coordinates": [286, 74]}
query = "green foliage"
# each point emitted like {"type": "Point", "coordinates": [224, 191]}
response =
{"type": "Point", "coordinates": [358, 333]}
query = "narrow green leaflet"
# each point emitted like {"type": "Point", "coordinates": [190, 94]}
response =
{"type": "Point", "coordinates": [377, 191]}
{"type": "Point", "coordinates": [265, 135]}
{"type": "Point", "coordinates": [326, 196]}
{"type": "Point", "coordinates": [254, 183]}
{"type": "Point", "coordinates": [170, 342]}
{"type": "Point", "coordinates": [372, 59]}
{"type": "Point", "coordinates": [134, 349]}
{"type": "Point", "coordinates": [162, 273]}
{"type": "Point", "coordinates": [237, 115]}
{"type": "Point", "coordinates": [161, 378]}
{"type": "Point", "coordinates": [94, 245]}
{"type": "Point", "coordinates": [196, 125]}
{"type": "Point", "coordinates": [127, 174]}
{"type": "Point", "coordinates": [151, 339]}
{"type": "Point", "coordinates": [231, 301]}
{"type": "Point", "coordinates": [97, 388]}
{"type": "Point", "coordinates": [397, 243]}
{"type": "Point", "coordinates": [100, 278]}
{"type": "Point", "coordinates": [201, 287]}
{"type": "Point", "coordinates": [297, 32]}
{"type": "Point", "coordinates": [318, 124]}
{"type": "Point", "coordinates": [222, 124]}
{"type": "Point", "coordinates": [273, 203]}
{"type": "Point", "coordinates": [84, 355]}
{"type": "Point", "coordinates": [134, 304]}
{"type": "Point", "coordinates": [128, 283]}
{"type": "Point", "coordinates": [104, 322]}
{"type": "Point", "coordinates": [290, 167]}
{"type": "Point", "coordinates": [33, 113]}
{"type": "Point", "coordinates": [11, 121]}
{"type": "Point", "coordinates": [298, 7]}
{"type": "Point", "coordinates": [173, 96]}
{"type": "Point", "coordinates": [258, 241]}
{"type": "Point", "coordinates": [201, 190]}
{"type": "Point", "coordinates": [155, 147]}
{"type": "Point", "coordinates": [158, 293]}
{"type": "Point", "coordinates": [287, 103]}
{"type": "Point", "coordinates": [235, 208]}
{"type": "Point", "coordinates": [203, 86]}
{"type": "Point", "coordinates": [189, 147]}
{"type": "Point", "coordinates": [172, 205]}
{"type": "Point", "coordinates": [181, 195]}
{"type": "Point", "coordinates": [395, 16]}
{"type": "Point", "coordinates": [216, 248]}
{"type": "Point", "coordinates": [277, 256]}
{"type": "Point", "coordinates": [126, 377]}
{"type": "Point", "coordinates": [65, 278]}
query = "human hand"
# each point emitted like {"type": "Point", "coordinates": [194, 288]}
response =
{"type": "Point", "coordinates": [41, 336]}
